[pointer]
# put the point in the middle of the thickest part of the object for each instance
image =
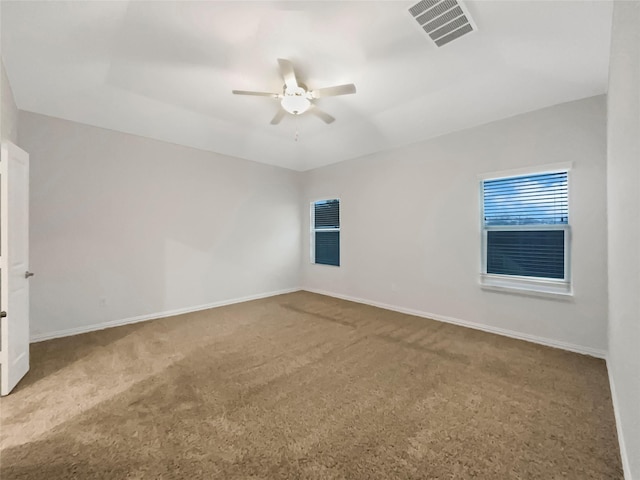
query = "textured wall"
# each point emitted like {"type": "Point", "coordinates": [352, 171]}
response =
{"type": "Point", "coordinates": [411, 224]}
{"type": "Point", "coordinates": [623, 195]}
{"type": "Point", "coordinates": [8, 109]}
{"type": "Point", "coordinates": [123, 226]}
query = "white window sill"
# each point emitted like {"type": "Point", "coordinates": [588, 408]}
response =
{"type": "Point", "coordinates": [527, 286]}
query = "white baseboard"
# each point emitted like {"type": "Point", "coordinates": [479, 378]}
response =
{"type": "Point", "coordinates": [152, 316]}
{"type": "Point", "coordinates": [594, 352]}
{"type": "Point", "coordinates": [626, 467]}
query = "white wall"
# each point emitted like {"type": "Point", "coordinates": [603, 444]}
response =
{"type": "Point", "coordinates": [623, 195]}
{"type": "Point", "coordinates": [410, 227]}
{"type": "Point", "coordinates": [8, 109]}
{"type": "Point", "coordinates": [123, 226]}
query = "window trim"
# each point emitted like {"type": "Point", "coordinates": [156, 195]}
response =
{"type": "Point", "coordinates": [537, 286]}
{"type": "Point", "coordinates": [313, 230]}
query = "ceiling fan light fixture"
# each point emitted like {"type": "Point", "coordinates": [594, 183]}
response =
{"type": "Point", "coordinates": [296, 98]}
{"type": "Point", "coordinates": [295, 101]}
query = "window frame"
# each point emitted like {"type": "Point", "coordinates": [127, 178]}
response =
{"type": "Point", "coordinates": [539, 286]}
{"type": "Point", "coordinates": [313, 230]}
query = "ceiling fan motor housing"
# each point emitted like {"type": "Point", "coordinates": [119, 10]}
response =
{"type": "Point", "coordinates": [295, 100]}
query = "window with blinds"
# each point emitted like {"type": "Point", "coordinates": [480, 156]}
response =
{"type": "Point", "coordinates": [526, 226]}
{"type": "Point", "coordinates": [325, 220]}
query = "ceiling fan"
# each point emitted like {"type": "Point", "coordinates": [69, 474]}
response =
{"type": "Point", "coordinates": [296, 98]}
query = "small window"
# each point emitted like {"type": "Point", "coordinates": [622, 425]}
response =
{"type": "Point", "coordinates": [526, 230]}
{"type": "Point", "coordinates": [325, 232]}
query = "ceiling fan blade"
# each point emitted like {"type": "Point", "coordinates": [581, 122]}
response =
{"type": "Point", "coordinates": [289, 76]}
{"type": "Point", "coordinates": [324, 116]}
{"type": "Point", "coordinates": [333, 91]}
{"type": "Point", "coordinates": [278, 116]}
{"type": "Point", "coordinates": [258, 94]}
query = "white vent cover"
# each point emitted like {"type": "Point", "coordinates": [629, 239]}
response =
{"type": "Point", "coordinates": [443, 20]}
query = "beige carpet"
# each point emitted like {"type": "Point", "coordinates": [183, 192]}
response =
{"type": "Point", "coordinates": [302, 386]}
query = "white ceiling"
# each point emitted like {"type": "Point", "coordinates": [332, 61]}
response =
{"type": "Point", "coordinates": [165, 70]}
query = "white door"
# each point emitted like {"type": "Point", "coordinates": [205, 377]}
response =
{"type": "Point", "coordinates": [14, 266]}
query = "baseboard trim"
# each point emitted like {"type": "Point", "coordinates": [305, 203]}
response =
{"type": "Point", "coordinates": [626, 467]}
{"type": "Point", "coordinates": [409, 311]}
{"type": "Point", "coordinates": [40, 337]}
{"type": "Point", "coordinates": [464, 323]}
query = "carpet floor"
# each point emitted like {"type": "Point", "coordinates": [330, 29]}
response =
{"type": "Point", "coordinates": [302, 386]}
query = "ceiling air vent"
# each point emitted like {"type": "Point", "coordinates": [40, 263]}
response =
{"type": "Point", "coordinates": [443, 20]}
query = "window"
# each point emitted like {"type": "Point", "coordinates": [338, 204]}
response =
{"type": "Point", "coordinates": [325, 232]}
{"type": "Point", "coordinates": [525, 232]}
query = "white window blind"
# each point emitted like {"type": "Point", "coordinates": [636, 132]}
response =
{"type": "Point", "coordinates": [525, 222]}
{"type": "Point", "coordinates": [529, 200]}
